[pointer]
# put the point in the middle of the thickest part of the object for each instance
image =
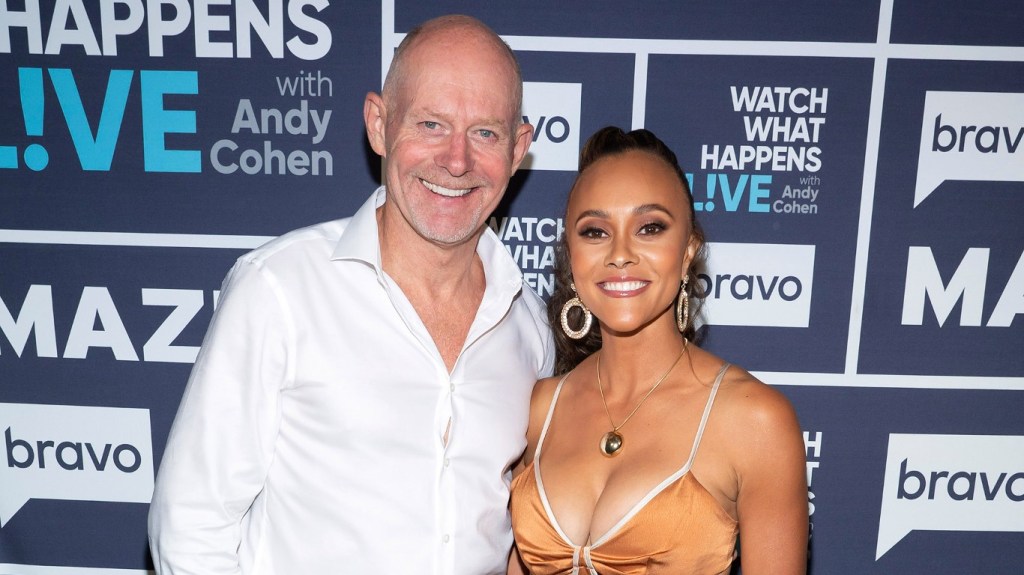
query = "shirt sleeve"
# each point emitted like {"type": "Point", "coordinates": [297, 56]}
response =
{"type": "Point", "coordinates": [222, 440]}
{"type": "Point", "coordinates": [548, 368]}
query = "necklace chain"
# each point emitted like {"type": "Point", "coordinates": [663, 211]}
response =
{"type": "Point", "coordinates": [600, 388]}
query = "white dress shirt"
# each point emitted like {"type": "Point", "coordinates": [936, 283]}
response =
{"type": "Point", "coordinates": [310, 438]}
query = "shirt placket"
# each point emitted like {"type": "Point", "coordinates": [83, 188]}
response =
{"type": "Point", "coordinates": [447, 518]}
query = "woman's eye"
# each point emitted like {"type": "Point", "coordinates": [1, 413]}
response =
{"type": "Point", "coordinates": [592, 233]}
{"type": "Point", "coordinates": [652, 228]}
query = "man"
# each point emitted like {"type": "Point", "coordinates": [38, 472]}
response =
{"type": "Point", "coordinates": [365, 383]}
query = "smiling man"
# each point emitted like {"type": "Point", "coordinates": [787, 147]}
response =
{"type": "Point", "coordinates": [365, 383]}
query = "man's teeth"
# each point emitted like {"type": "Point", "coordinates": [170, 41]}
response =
{"type": "Point", "coordinates": [445, 191]}
{"type": "Point", "coordinates": [624, 286]}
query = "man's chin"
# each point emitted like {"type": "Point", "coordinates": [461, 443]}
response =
{"type": "Point", "coordinates": [450, 236]}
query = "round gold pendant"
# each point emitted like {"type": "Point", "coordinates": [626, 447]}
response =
{"type": "Point", "coordinates": [611, 444]}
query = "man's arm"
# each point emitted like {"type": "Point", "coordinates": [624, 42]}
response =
{"type": "Point", "coordinates": [222, 439]}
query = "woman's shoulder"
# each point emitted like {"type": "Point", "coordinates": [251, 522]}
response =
{"type": "Point", "coordinates": [548, 384]}
{"type": "Point", "coordinates": [543, 393]}
{"type": "Point", "coordinates": [540, 404]}
{"type": "Point", "coordinates": [544, 389]}
{"type": "Point", "coordinates": [762, 425]}
{"type": "Point", "coordinates": [750, 405]}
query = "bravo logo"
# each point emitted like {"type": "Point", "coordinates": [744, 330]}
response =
{"type": "Point", "coordinates": [74, 453]}
{"type": "Point", "coordinates": [970, 136]}
{"type": "Point", "coordinates": [951, 483]}
{"type": "Point", "coordinates": [554, 111]}
{"type": "Point", "coordinates": [758, 284]}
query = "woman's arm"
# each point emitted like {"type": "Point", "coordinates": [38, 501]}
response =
{"type": "Point", "coordinates": [772, 481]}
{"type": "Point", "coordinates": [539, 404]}
{"type": "Point", "coordinates": [515, 564]}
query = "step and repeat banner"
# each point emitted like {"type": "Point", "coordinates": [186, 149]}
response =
{"type": "Point", "coordinates": [858, 167]}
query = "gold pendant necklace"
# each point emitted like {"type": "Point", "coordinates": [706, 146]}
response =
{"type": "Point", "coordinates": [611, 442]}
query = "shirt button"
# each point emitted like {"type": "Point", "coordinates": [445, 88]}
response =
{"type": "Point", "coordinates": [446, 462]}
{"type": "Point", "coordinates": [446, 538]}
{"type": "Point", "coordinates": [452, 387]}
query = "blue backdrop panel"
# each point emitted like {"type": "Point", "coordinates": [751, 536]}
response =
{"type": "Point", "coordinates": [960, 214]}
{"type": "Point", "coordinates": [983, 23]}
{"type": "Point", "coordinates": [113, 342]}
{"type": "Point", "coordinates": [849, 430]}
{"type": "Point", "coordinates": [828, 136]}
{"type": "Point", "coordinates": [781, 20]}
{"type": "Point", "coordinates": [168, 143]}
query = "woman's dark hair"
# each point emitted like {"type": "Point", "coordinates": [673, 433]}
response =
{"type": "Point", "coordinates": [611, 141]}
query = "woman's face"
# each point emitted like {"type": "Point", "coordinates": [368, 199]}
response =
{"type": "Point", "coordinates": [629, 237]}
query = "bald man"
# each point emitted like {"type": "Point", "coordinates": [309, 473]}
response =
{"type": "Point", "coordinates": [364, 386]}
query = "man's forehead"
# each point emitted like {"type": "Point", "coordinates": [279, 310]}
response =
{"type": "Point", "coordinates": [492, 98]}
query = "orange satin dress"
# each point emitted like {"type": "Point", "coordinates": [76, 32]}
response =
{"type": "Point", "coordinates": [678, 528]}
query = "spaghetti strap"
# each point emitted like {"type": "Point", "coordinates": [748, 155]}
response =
{"type": "Point", "coordinates": [707, 412]}
{"type": "Point", "coordinates": [547, 419]}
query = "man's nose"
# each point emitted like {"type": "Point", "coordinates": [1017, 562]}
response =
{"type": "Point", "coordinates": [456, 156]}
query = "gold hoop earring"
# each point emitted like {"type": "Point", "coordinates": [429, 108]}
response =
{"type": "Point", "coordinates": [683, 308]}
{"type": "Point", "coordinates": [588, 318]}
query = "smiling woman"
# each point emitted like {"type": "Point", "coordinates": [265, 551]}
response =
{"type": "Point", "coordinates": [658, 455]}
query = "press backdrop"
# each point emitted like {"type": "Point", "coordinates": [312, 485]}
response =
{"type": "Point", "coordinates": [858, 166]}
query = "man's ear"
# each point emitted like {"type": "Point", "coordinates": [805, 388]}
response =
{"type": "Point", "coordinates": [375, 117]}
{"type": "Point", "coordinates": [521, 144]}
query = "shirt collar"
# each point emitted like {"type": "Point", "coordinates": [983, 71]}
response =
{"type": "Point", "coordinates": [360, 242]}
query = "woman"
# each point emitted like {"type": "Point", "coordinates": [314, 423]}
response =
{"type": "Point", "coordinates": [613, 481]}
